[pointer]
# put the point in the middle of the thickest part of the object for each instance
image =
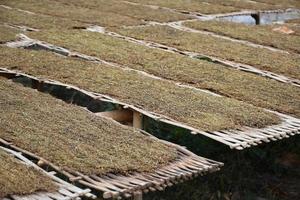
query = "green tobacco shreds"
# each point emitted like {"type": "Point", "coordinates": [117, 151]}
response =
{"type": "Point", "coordinates": [294, 21]}
{"type": "Point", "coordinates": [194, 108]}
{"type": "Point", "coordinates": [250, 5]}
{"type": "Point", "coordinates": [216, 6]}
{"type": "Point", "coordinates": [258, 34]}
{"type": "Point", "coordinates": [19, 179]}
{"type": "Point", "coordinates": [104, 13]}
{"type": "Point", "coordinates": [72, 138]}
{"type": "Point", "coordinates": [191, 5]}
{"type": "Point", "coordinates": [72, 12]}
{"type": "Point", "coordinates": [290, 3]}
{"type": "Point", "coordinates": [136, 11]}
{"type": "Point", "coordinates": [257, 90]}
{"type": "Point", "coordinates": [280, 63]}
{"type": "Point", "coordinates": [15, 17]}
{"type": "Point", "coordinates": [294, 25]}
{"type": "Point", "coordinates": [7, 34]}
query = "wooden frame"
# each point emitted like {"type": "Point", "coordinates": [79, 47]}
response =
{"type": "Point", "coordinates": [242, 138]}
{"type": "Point", "coordinates": [117, 186]}
{"type": "Point", "coordinates": [66, 191]}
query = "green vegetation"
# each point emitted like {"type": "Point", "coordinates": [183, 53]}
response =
{"type": "Point", "coordinates": [70, 137]}
{"type": "Point", "coordinates": [280, 63]}
{"type": "Point", "coordinates": [258, 34]}
{"type": "Point", "coordinates": [243, 86]}
{"type": "Point", "coordinates": [19, 179]}
{"type": "Point", "coordinates": [101, 14]}
{"type": "Point", "coordinates": [198, 109]}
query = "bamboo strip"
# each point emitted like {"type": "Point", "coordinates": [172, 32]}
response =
{"type": "Point", "coordinates": [66, 191]}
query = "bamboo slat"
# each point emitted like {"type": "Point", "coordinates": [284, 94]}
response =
{"type": "Point", "coordinates": [66, 191]}
{"type": "Point", "coordinates": [117, 186]}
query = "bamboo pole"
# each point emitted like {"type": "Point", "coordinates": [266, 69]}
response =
{"type": "Point", "coordinates": [138, 196]}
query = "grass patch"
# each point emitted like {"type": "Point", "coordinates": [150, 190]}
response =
{"type": "Point", "coordinates": [257, 90]}
{"type": "Point", "coordinates": [281, 63]}
{"type": "Point", "coordinates": [104, 13]}
{"type": "Point", "coordinates": [258, 34]}
{"type": "Point", "coordinates": [19, 179]}
{"type": "Point", "coordinates": [194, 108]}
{"type": "Point", "coordinates": [191, 6]}
{"type": "Point", "coordinates": [72, 138]}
